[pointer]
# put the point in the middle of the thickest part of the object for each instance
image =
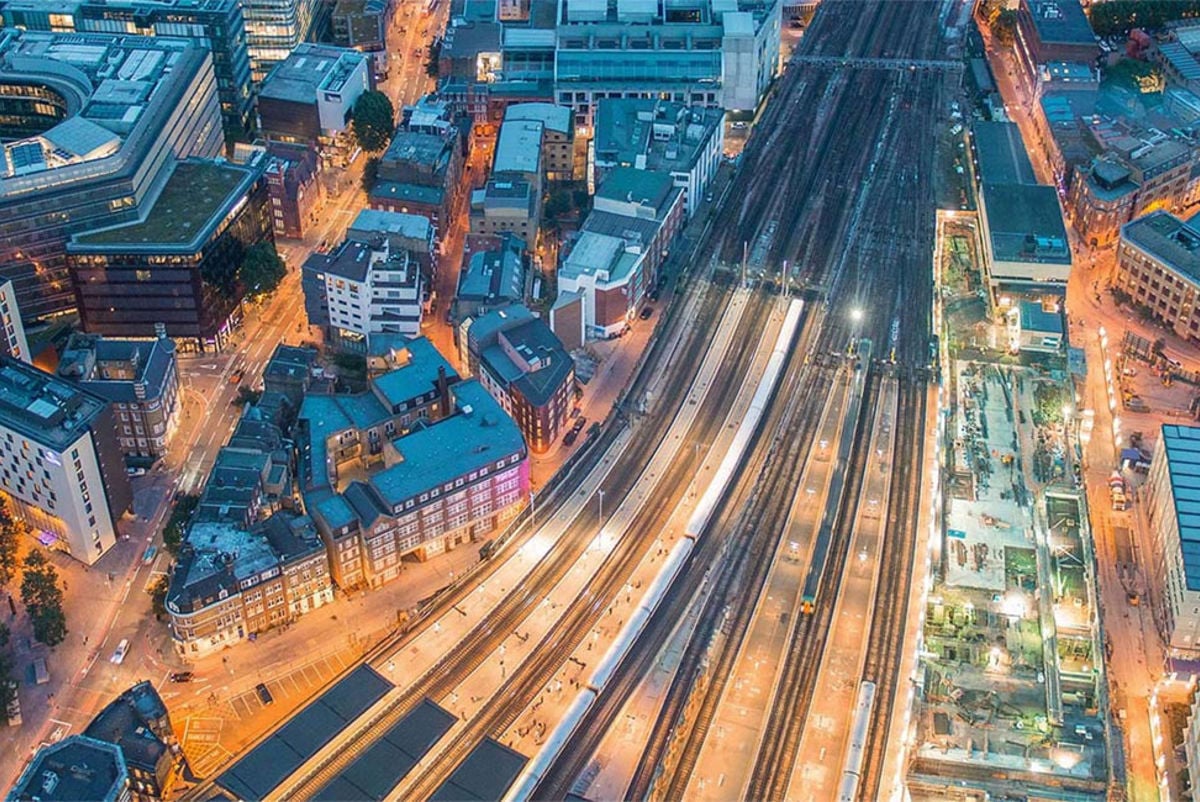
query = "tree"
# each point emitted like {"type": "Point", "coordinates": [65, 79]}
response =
{"type": "Point", "coordinates": [43, 599]}
{"type": "Point", "coordinates": [433, 64]}
{"type": "Point", "coordinates": [176, 525]}
{"type": "Point", "coordinates": [370, 173]}
{"type": "Point", "coordinates": [374, 121]}
{"type": "Point", "coordinates": [1119, 16]}
{"type": "Point", "coordinates": [261, 271]}
{"type": "Point", "coordinates": [158, 597]}
{"type": "Point", "coordinates": [558, 204]}
{"type": "Point", "coordinates": [8, 685]}
{"type": "Point", "coordinates": [11, 530]}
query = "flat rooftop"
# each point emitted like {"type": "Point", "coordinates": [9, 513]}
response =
{"type": "Point", "coordinates": [307, 69]}
{"type": "Point", "coordinates": [1026, 224]}
{"type": "Point", "coordinates": [1182, 448]}
{"type": "Point", "coordinates": [1061, 22]}
{"type": "Point", "coordinates": [195, 196]}
{"type": "Point", "coordinates": [519, 147]}
{"type": "Point", "coordinates": [1001, 154]}
{"type": "Point", "coordinates": [1168, 239]}
{"type": "Point", "coordinates": [45, 408]}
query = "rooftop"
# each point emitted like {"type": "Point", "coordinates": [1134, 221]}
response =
{"type": "Point", "coordinates": [645, 187]}
{"type": "Point", "coordinates": [412, 193]}
{"type": "Point", "coordinates": [1001, 154]}
{"type": "Point", "coordinates": [1026, 224]}
{"type": "Point", "coordinates": [518, 148]}
{"type": "Point", "coordinates": [653, 134]}
{"type": "Point", "coordinates": [1061, 22]}
{"type": "Point", "coordinates": [112, 87]}
{"type": "Point", "coordinates": [478, 435]}
{"type": "Point", "coordinates": [194, 200]}
{"type": "Point", "coordinates": [1181, 445]}
{"type": "Point", "coordinates": [75, 768]}
{"type": "Point", "coordinates": [417, 147]}
{"type": "Point", "coordinates": [308, 69]}
{"type": "Point", "coordinates": [1168, 239]}
{"type": "Point", "coordinates": [1035, 317]}
{"type": "Point", "coordinates": [552, 116]}
{"type": "Point", "coordinates": [546, 363]}
{"type": "Point", "coordinates": [113, 369]}
{"type": "Point", "coordinates": [398, 224]}
{"type": "Point", "coordinates": [595, 253]}
{"type": "Point", "coordinates": [45, 408]}
{"type": "Point", "coordinates": [495, 274]}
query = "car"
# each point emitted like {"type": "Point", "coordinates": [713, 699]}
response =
{"type": "Point", "coordinates": [576, 412]}
{"type": "Point", "coordinates": [578, 425]}
{"type": "Point", "coordinates": [570, 437]}
{"type": "Point", "coordinates": [135, 472]}
{"type": "Point", "coordinates": [646, 313]}
{"type": "Point", "coordinates": [739, 125]}
{"type": "Point", "coordinates": [182, 676]}
{"type": "Point", "coordinates": [236, 376]}
{"type": "Point", "coordinates": [118, 656]}
{"type": "Point", "coordinates": [264, 695]}
{"type": "Point", "coordinates": [652, 295]}
{"type": "Point", "coordinates": [708, 198]}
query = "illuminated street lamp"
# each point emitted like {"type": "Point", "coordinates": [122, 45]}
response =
{"type": "Point", "coordinates": [856, 314]}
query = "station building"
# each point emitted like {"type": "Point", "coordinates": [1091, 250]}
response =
{"type": "Point", "coordinates": [97, 123]}
{"type": "Point", "coordinates": [1172, 504]}
{"type": "Point", "coordinates": [1158, 266]}
{"type": "Point", "coordinates": [60, 461]}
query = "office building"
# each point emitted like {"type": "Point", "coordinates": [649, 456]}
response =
{"type": "Point", "coordinates": [137, 723]}
{"type": "Point", "coordinates": [362, 26]}
{"type": "Point", "coordinates": [507, 204]}
{"type": "Point", "coordinates": [1158, 267]}
{"type": "Point", "coordinates": [613, 262]}
{"type": "Point", "coordinates": [526, 369]}
{"type": "Point", "coordinates": [363, 289]}
{"type": "Point", "coordinates": [557, 151]}
{"type": "Point", "coordinates": [1025, 246]}
{"type": "Point", "coordinates": [1102, 199]}
{"type": "Point", "coordinates": [650, 134]}
{"type": "Point", "coordinates": [73, 769]}
{"type": "Point", "coordinates": [418, 464]}
{"type": "Point", "coordinates": [1052, 30]}
{"type": "Point", "coordinates": [12, 339]}
{"type": "Point", "coordinates": [274, 28]}
{"type": "Point", "coordinates": [121, 111]}
{"type": "Point", "coordinates": [413, 233]}
{"type": "Point", "coordinates": [294, 188]}
{"type": "Point", "coordinates": [709, 54]}
{"type": "Point", "coordinates": [421, 171]}
{"type": "Point", "coordinates": [216, 25]}
{"type": "Point", "coordinates": [139, 378]}
{"type": "Point", "coordinates": [1172, 498]}
{"type": "Point", "coordinates": [60, 461]}
{"type": "Point", "coordinates": [492, 275]}
{"type": "Point", "coordinates": [308, 97]}
{"type": "Point", "coordinates": [178, 265]}
{"type": "Point", "coordinates": [231, 583]}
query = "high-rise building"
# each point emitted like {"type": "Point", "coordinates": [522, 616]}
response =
{"type": "Point", "coordinates": [93, 127]}
{"type": "Point", "coordinates": [274, 28]}
{"type": "Point", "coordinates": [60, 461]}
{"type": "Point", "coordinates": [218, 25]}
{"type": "Point", "coordinates": [12, 338]}
{"type": "Point", "coordinates": [1172, 502]}
{"type": "Point", "coordinates": [178, 265]}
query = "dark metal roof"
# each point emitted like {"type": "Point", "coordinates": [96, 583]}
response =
{"type": "Point", "coordinates": [485, 775]}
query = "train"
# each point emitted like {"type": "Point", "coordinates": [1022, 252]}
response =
{"type": "Point", "coordinates": [527, 781]}
{"type": "Point", "coordinates": [861, 351]}
{"type": "Point", "coordinates": [856, 751]}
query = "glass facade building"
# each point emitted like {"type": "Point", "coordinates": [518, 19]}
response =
{"type": "Point", "coordinates": [133, 107]}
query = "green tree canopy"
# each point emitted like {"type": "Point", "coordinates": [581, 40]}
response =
{"type": "Point", "coordinates": [1120, 16]}
{"type": "Point", "coordinates": [11, 530]}
{"type": "Point", "coordinates": [261, 271]}
{"type": "Point", "coordinates": [176, 525]}
{"type": "Point", "coordinates": [158, 597]}
{"type": "Point", "coordinates": [374, 121]}
{"type": "Point", "coordinates": [43, 599]}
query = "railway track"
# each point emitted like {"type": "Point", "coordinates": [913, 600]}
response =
{"type": "Point", "coordinates": [809, 216]}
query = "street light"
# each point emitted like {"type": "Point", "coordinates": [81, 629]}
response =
{"type": "Point", "coordinates": [856, 314]}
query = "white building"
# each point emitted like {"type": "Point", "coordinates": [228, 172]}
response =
{"type": "Point", "coordinates": [1173, 507]}
{"type": "Point", "coordinates": [60, 463]}
{"type": "Point", "coordinates": [363, 289]}
{"type": "Point", "coordinates": [12, 338]}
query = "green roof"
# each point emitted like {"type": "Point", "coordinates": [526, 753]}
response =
{"type": "Point", "coordinates": [194, 195]}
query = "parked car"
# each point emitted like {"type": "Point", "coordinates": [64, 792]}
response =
{"type": "Point", "coordinates": [236, 376]}
{"type": "Point", "coordinates": [570, 437]}
{"type": "Point", "coordinates": [646, 312]}
{"type": "Point", "coordinates": [118, 656]}
{"type": "Point", "coordinates": [181, 676]}
{"type": "Point", "coordinates": [135, 472]}
{"type": "Point", "coordinates": [264, 695]}
{"type": "Point", "coordinates": [652, 296]}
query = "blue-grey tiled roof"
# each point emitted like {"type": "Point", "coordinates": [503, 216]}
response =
{"type": "Point", "coordinates": [1182, 444]}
